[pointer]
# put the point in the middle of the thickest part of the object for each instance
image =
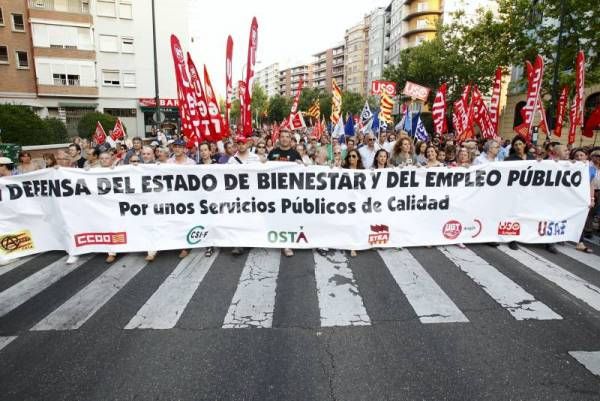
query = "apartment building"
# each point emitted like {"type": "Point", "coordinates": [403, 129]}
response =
{"type": "Point", "coordinates": [378, 42]}
{"type": "Point", "coordinates": [328, 65]}
{"type": "Point", "coordinates": [268, 79]}
{"type": "Point", "coordinates": [357, 57]}
{"type": "Point", "coordinates": [17, 85]}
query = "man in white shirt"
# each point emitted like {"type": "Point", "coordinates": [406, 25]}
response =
{"type": "Point", "coordinates": [490, 153]}
{"type": "Point", "coordinates": [179, 156]}
{"type": "Point", "coordinates": [367, 152]}
{"type": "Point", "coordinates": [243, 154]}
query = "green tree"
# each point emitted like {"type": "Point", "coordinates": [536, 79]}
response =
{"type": "Point", "coordinates": [325, 104]}
{"type": "Point", "coordinates": [352, 102]}
{"type": "Point", "coordinates": [307, 98]}
{"type": "Point", "coordinates": [260, 102]}
{"type": "Point", "coordinates": [20, 125]}
{"type": "Point", "coordinates": [234, 113]}
{"type": "Point", "coordinates": [87, 124]}
{"type": "Point", "coordinates": [279, 108]}
{"type": "Point", "coordinates": [57, 130]}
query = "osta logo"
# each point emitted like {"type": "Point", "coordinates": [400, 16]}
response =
{"type": "Point", "coordinates": [452, 229]}
{"type": "Point", "coordinates": [116, 238]}
{"type": "Point", "coordinates": [16, 242]}
{"type": "Point", "coordinates": [196, 235]}
{"type": "Point", "coordinates": [509, 228]}
{"type": "Point", "coordinates": [287, 237]}
{"type": "Point", "coordinates": [380, 234]}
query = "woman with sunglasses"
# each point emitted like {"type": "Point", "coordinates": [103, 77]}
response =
{"type": "Point", "coordinates": [261, 150]}
{"type": "Point", "coordinates": [353, 161]}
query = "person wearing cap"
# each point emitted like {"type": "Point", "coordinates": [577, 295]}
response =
{"type": "Point", "coordinates": [179, 156]}
{"type": "Point", "coordinates": [243, 154]}
{"type": "Point", "coordinates": [6, 167]}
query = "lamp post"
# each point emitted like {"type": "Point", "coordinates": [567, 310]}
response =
{"type": "Point", "coordinates": [554, 99]}
{"type": "Point", "coordinates": [156, 95]}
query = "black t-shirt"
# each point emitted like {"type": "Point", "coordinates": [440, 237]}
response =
{"type": "Point", "coordinates": [513, 157]}
{"type": "Point", "coordinates": [80, 163]}
{"type": "Point", "coordinates": [290, 155]}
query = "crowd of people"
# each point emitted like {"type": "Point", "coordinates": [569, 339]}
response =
{"type": "Point", "coordinates": [361, 151]}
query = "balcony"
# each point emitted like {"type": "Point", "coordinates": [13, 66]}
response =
{"type": "Point", "coordinates": [64, 52]}
{"type": "Point", "coordinates": [417, 10]}
{"type": "Point", "coordinates": [66, 10]}
{"type": "Point", "coordinates": [66, 90]}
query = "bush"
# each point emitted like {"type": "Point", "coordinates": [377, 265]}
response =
{"type": "Point", "coordinates": [87, 125]}
{"type": "Point", "coordinates": [20, 125]}
{"type": "Point", "coordinates": [57, 130]}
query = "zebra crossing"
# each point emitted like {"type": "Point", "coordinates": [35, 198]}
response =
{"type": "Point", "coordinates": [338, 292]}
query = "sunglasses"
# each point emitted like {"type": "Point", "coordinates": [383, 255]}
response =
{"type": "Point", "coordinates": [134, 160]}
{"type": "Point", "coordinates": [337, 153]}
{"type": "Point", "coordinates": [261, 146]}
{"type": "Point", "coordinates": [370, 139]}
{"type": "Point", "coordinates": [353, 156]}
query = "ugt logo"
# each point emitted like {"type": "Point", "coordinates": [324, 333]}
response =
{"type": "Point", "coordinates": [287, 237]}
{"type": "Point", "coordinates": [551, 228]}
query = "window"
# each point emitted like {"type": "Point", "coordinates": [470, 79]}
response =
{"type": "Point", "coordinates": [85, 6]}
{"type": "Point", "coordinates": [422, 6]}
{"type": "Point", "coordinates": [121, 112]}
{"type": "Point", "coordinates": [1, 17]}
{"type": "Point", "coordinates": [129, 79]}
{"type": "Point", "coordinates": [65, 79]}
{"type": "Point", "coordinates": [3, 55]}
{"type": "Point", "coordinates": [110, 78]}
{"type": "Point", "coordinates": [18, 23]}
{"type": "Point", "coordinates": [125, 9]}
{"type": "Point", "coordinates": [422, 23]}
{"type": "Point", "coordinates": [109, 43]}
{"type": "Point", "coordinates": [127, 45]}
{"type": "Point", "coordinates": [22, 60]}
{"type": "Point", "coordinates": [106, 8]}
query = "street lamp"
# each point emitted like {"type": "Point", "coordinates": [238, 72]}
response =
{"type": "Point", "coordinates": [156, 95]}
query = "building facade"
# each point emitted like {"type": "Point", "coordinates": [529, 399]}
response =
{"type": "Point", "coordinates": [379, 25]}
{"type": "Point", "coordinates": [394, 10]}
{"type": "Point", "coordinates": [329, 65]}
{"type": "Point", "coordinates": [357, 57]}
{"type": "Point", "coordinates": [17, 85]}
{"type": "Point", "coordinates": [71, 57]}
{"type": "Point", "coordinates": [268, 79]}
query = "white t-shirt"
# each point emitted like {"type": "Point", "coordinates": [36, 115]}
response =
{"type": "Point", "coordinates": [187, 160]}
{"type": "Point", "coordinates": [368, 155]}
{"type": "Point", "coordinates": [249, 158]}
{"type": "Point", "coordinates": [483, 159]}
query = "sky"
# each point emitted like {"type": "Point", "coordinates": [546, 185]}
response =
{"type": "Point", "coordinates": [289, 32]}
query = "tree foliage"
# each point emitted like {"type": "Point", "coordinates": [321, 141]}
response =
{"type": "Point", "coordinates": [20, 125]}
{"type": "Point", "coordinates": [87, 124]}
{"type": "Point", "coordinates": [260, 101]}
{"type": "Point", "coordinates": [234, 113]}
{"type": "Point", "coordinates": [352, 102]}
{"type": "Point", "coordinates": [279, 108]}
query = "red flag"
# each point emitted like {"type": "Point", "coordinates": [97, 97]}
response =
{"type": "Point", "coordinates": [187, 108]}
{"type": "Point", "coordinates": [438, 110]}
{"type": "Point", "coordinates": [459, 115]}
{"type": "Point", "coordinates": [495, 100]}
{"type": "Point", "coordinates": [213, 107]}
{"type": "Point", "coordinates": [118, 132]}
{"type": "Point", "coordinates": [252, 43]}
{"type": "Point", "coordinates": [592, 123]}
{"type": "Point", "coordinates": [275, 133]}
{"type": "Point", "coordinates": [535, 75]}
{"type": "Point", "coordinates": [99, 134]}
{"type": "Point", "coordinates": [297, 121]}
{"type": "Point", "coordinates": [561, 107]}
{"type": "Point", "coordinates": [482, 115]}
{"type": "Point", "coordinates": [297, 97]}
{"type": "Point", "coordinates": [228, 81]}
{"type": "Point", "coordinates": [207, 129]}
{"type": "Point", "coordinates": [579, 87]}
{"type": "Point", "coordinates": [573, 121]}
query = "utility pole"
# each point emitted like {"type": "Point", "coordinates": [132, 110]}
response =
{"type": "Point", "coordinates": [156, 96]}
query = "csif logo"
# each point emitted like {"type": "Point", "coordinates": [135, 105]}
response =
{"type": "Point", "coordinates": [287, 237]}
{"type": "Point", "coordinates": [380, 234]}
{"type": "Point", "coordinates": [551, 228]}
{"type": "Point", "coordinates": [196, 235]}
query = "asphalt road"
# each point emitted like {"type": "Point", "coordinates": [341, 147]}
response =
{"type": "Point", "coordinates": [421, 324]}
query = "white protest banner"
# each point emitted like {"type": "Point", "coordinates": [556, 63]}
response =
{"type": "Point", "coordinates": [136, 208]}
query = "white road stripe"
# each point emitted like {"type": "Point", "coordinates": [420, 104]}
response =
{"type": "Point", "coordinates": [589, 259]}
{"type": "Point", "coordinates": [430, 302]}
{"type": "Point", "coordinates": [576, 286]}
{"type": "Point", "coordinates": [340, 302]}
{"type": "Point", "coordinates": [503, 290]}
{"type": "Point", "coordinates": [80, 307]}
{"type": "Point", "coordinates": [589, 359]}
{"type": "Point", "coordinates": [14, 264]}
{"type": "Point", "coordinates": [4, 341]}
{"type": "Point", "coordinates": [165, 307]}
{"type": "Point", "coordinates": [254, 300]}
{"type": "Point", "coordinates": [26, 289]}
